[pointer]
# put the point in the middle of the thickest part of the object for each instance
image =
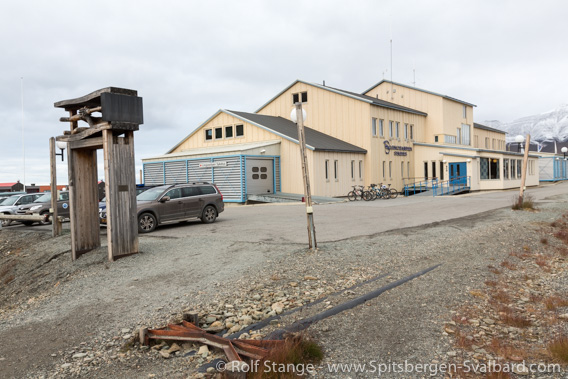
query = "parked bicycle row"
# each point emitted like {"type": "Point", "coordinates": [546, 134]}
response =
{"type": "Point", "coordinates": [373, 192]}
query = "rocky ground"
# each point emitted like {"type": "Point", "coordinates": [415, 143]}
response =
{"type": "Point", "coordinates": [499, 294]}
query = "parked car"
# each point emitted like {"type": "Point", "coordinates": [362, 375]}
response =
{"type": "Point", "coordinates": [10, 205]}
{"type": "Point", "coordinates": [178, 202]}
{"type": "Point", "coordinates": [102, 204]}
{"type": "Point", "coordinates": [42, 205]}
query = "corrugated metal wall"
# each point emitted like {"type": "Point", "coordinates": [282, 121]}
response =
{"type": "Point", "coordinates": [230, 178]}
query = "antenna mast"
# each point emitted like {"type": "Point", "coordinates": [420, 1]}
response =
{"type": "Point", "coordinates": [23, 139]}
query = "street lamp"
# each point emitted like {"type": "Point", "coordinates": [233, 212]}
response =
{"type": "Point", "coordinates": [61, 146]}
{"type": "Point", "coordinates": [564, 150]}
{"type": "Point", "coordinates": [519, 140]}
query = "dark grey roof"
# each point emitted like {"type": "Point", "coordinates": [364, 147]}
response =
{"type": "Point", "coordinates": [483, 127]}
{"type": "Point", "coordinates": [318, 140]}
{"type": "Point", "coordinates": [421, 90]}
{"type": "Point", "coordinates": [382, 103]}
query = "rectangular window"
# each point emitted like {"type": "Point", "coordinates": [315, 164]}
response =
{"type": "Point", "coordinates": [208, 134]}
{"type": "Point", "coordinates": [487, 142]}
{"type": "Point", "coordinates": [391, 127]}
{"type": "Point", "coordinates": [489, 168]}
{"type": "Point", "coordinates": [433, 169]}
{"type": "Point", "coordinates": [475, 141]}
{"type": "Point", "coordinates": [494, 168]}
{"type": "Point", "coordinates": [326, 169]}
{"type": "Point", "coordinates": [513, 169]}
{"type": "Point", "coordinates": [374, 127]}
{"type": "Point", "coordinates": [304, 97]}
{"type": "Point", "coordinates": [408, 169]}
{"type": "Point", "coordinates": [239, 130]}
{"type": "Point", "coordinates": [390, 169]}
{"type": "Point", "coordinates": [360, 169]}
{"type": "Point", "coordinates": [425, 170]}
{"type": "Point", "coordinates": [450, 139]}
{"type": "Point", "coordinates": [402, 170]}
{"type": "Point", "coordinates": [229, 131]}
{"type": "Point", "coordinates": [519, 168]}
{"type": "Point", "coordinates": [405, 131]}
{"type": "Point", "coordinates": [411, 131]}
{"type": "Point", "coordinates": [441, 170]}
{"type": "Point", "coordinates": [384, 169]}
{"type": "Point", "coordinates": [335, 168]}
{"type": "Point", "coordinates": [435, 138]}
{"type": "Point", "coordinates": [295, 98]}
{"type": "Point", "coordinates": [466, 134]}
{"type": "Point", "coordinates": [464, 112]}
{"type": "Point", "coordinates": [505, 169]}
{"type": "Point", "coordinates": [397, 131]}
{"type": "Point", "coordinates": [353, 170]}
{"type": "Point", "coordinates": [458, 136]}
{"type": "Point", "coordinates": [218, 133]}
{"type": "Point", "coordinates": [381, 128]}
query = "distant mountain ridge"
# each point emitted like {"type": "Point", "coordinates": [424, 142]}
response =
{"type": "Point", "coordinates": [544, 127]}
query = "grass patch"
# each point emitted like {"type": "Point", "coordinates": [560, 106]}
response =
{"type": "Point", "coordinates": [296, 352]}
{"type": "Point", "coordinates": [544, 241]}
{"type": "Point", "coordinates": [527, 203]}
{"type": "Point", "coordinates": [509, 265]}
{"type": "Point", "coordinates": [554, 302]}
{"type": "Point", "coordinates": [515, 320]}
{"type": "Point", "coordinates": [559, 349]}
{"type": "Point", "coordinates": [494, 270]}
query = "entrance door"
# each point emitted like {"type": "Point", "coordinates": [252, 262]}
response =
{"type": "Point", "coordinates": [458, 173]}
{"type": "Point", "coordinates": [260, 176]}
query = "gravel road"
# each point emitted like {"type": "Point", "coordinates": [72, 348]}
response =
{"type": "Point", "coordinates": [54, 309]}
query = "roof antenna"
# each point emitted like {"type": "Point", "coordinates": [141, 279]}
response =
{"type": "Point", "coordinates": [392, 86]}
{"type": "Point", "coordinates": [324, 83]}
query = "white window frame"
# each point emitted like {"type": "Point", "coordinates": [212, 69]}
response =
{"type": "Point", "coordinates": [360, 169]}
{"type": "Point", "coordinates": [326, 170]}
{"type": "Point", "coordinates": [391, 129]}
{"type": "Point", "coordinates": [336, 169]}
{"type": "Point", "coordinates": [381, 128]}
{"type": "Point", "coordinates": [373, 127]}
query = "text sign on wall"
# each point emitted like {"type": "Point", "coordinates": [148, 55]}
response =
{"type": "Point", "coordinates": [213, 164]}
{"type": "Point", "coordinates": [398, 150]}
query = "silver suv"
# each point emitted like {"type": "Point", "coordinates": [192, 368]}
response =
{"type": "Point", "coordinates": [10, 205]}
{"type": "Point", "coordinates": [42, 205]}
{"type": "Point", "coordinates": [178, 202]}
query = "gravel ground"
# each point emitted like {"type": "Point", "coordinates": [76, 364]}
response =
{"type": "Point", "coordinates": [68, 319]}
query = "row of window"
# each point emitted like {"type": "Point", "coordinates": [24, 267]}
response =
{"type": "Point", "coordinates": [462, 137]}
{"type": "Point", "coordinates": [229, 131]}
{"type": "Point", "coordinates": [394, 129]}
{"type": "Point", "coordinates": [301, 97]}
{"type": "Point", "coordinates": [336, 169]}
{"type": "Point", "coordinates": [390, 167]}
{"type": "Point", "coordinates": [512, 168]}
{"type": "Point", "coordinates": [434, 164]}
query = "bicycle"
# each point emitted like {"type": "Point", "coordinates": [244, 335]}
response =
{"type": "Point", "coordinates": [358, 193]}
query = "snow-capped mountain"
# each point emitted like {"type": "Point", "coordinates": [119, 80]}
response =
{"type": "Point", "coordinates": [549, 126]}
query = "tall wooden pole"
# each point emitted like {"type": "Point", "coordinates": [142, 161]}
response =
{"type": "Point", "coordinates": [524, 173]}
{"type": "Point", "coordinates": [305, 174]}
{"type": "Point", "coordinates": [55, 224]}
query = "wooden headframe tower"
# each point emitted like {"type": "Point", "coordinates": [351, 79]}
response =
{"type": "Point", "coordinates": [113, 131]}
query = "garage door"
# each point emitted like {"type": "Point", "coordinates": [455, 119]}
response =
{"type": "Point", "coordinates": [260, 176]}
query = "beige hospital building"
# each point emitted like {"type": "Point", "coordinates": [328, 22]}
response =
{"type": "Point", "coordinates": [391, 133]}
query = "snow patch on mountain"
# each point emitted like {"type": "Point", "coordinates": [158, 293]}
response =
{"type": "Point", "coordinates": [544, 127]}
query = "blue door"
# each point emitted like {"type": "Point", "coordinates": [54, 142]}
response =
{"type": "Point", "coordinates": [458, 173]}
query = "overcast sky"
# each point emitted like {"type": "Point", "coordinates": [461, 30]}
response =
{"type": "Point", "coordinates": [187, 59]}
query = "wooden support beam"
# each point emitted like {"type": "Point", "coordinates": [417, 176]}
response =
{"type": "Point", "coordinates": [55, 226]}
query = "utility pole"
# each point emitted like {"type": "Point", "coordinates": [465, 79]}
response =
{"type": "Point", "coordinates": [524, 173]}
{"type": "Point", "coordinates": [307, 191]}
{"type": "Point", "coordinates": [55, 224]}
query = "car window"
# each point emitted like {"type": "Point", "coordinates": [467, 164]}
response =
{"type": "Point", "coordinates": [151, 194]}
{"type": "Point", "coordinates": [190, 191]}
{"type": "Point", "coordinates": [27, 199]}
{"type": "Point", "coordinates": [207, 190]}
{"type": "Point", "coordinates": [11, 200]}
{"type": "Point", "coordinates": [64, 196]}
{"type": "Point", "coordinates": [174, 193]}
{"type": "Point", "coordinates": [43, 198]}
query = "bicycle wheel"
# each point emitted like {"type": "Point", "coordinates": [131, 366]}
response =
{"type": "Point", "coordinates": [373, 195]}
{"type": "Point", "coordinates": [393, 193]}
{"type": "Point", "coordinates": [367, 196]}
{"type": "Point", "coordinates": [352, 196]}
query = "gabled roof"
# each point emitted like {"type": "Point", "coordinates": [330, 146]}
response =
{"type": "Point", "coordinates": [488, 128]}
{"type": "Point", "coordinates": [421, 90]}
{"type": "Point", "coordinates": [286, 129]}
{"type": "Point", "coordinates": [352, 95]}
{"type": "Point", "coordinates": [315, 140]}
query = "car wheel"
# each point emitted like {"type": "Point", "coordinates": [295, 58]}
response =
{"type": "Point", "coordinates": [6, 222]}
{"type": "Point", "coordinates": [42, 222]}
{"type": "Point", "coordinates": [28, 223]}
{"type": "Point", "coordinates": [209, 215]}
{"type": "Point", "coordinates": [146, 223]}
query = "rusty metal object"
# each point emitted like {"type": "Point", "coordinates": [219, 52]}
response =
{"type": "Point", "coordinates": [235, 350]}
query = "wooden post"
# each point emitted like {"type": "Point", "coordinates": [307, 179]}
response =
{"type": "Point", "coordinates": [55, 223]}
{"type": "Point", "coordinates": [141, 178]}
{"type": "Point", "coordinates": [524, 173]}
{"type": "Point", "coordinates": [120, 188]}
{"type": "Point", "coordinates": [312, 243]}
